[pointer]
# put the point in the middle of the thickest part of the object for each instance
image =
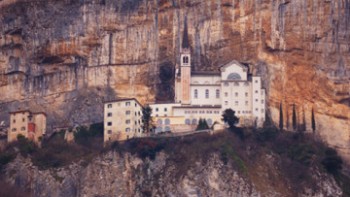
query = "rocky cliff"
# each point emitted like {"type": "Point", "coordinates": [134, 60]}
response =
{"type": "Point", "coordinates": [66, 57]}
{"type": "Point", "coordinates": [113, 175]}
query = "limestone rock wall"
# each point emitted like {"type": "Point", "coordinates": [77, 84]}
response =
{"type": "Point", "coordinates": [113, 175]}
{"type": "Point", "coordinates": [66, 57]}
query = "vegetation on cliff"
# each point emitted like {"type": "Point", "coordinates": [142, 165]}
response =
{"type": "Point", "coordinates": [296, 155]}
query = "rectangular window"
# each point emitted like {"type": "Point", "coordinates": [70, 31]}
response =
{"type": "Point", "coordinates": [256, 81]}
{"type": "Point", "coordinates": [262, 101]}
{"type": "Point", "coordinates": [14, 129]}
{"type": "Point", "coordinates": [109, 106]}
{"type": "Point", "coordinates": [217, 93]}
{"type": "Point", "coordinates": [236, 84]}
{"type": "Point", "coordinates": [109, 131]}
{"type": "Point", "coordinates": [127, 121]}
{"type": "Point", "coordinates": [256, 91]}
{"type": "Point", "coordinates": [127, 129]}
{"type": "Point", "coordinates": [246, 94]}
{"type": "Point", "coordinates": [109, 123]}
{"type": "Point", "coordinates": [256, 100]}
{"type": "Point", "coordinates": [236, 103]}
{"type": "Point", "coordinates": [109, 114]}
{"type": "Point", "coordinates": [23, 129]}
{"type": "Point", "coordinates": [23, 119]}
{"type": "Point", "coordinates": [226, 94]}
{"type": "Point", "coordinates": [157, 109]}
{"type": "Point", "coordinates": [226, 102]}
{"type": "Point", "coordinates": [236, 94]}
{"type": "Point", "coordinates": [195, 93]}
{"type": "Point", "coordinates": [206, 93]}
{"type": "Point", "coordinates": [165, 109]}
{"type": "Point", "coordinates": [226, 84]}
{"type": "Point", "coordinates": [14, 121]}
{"type": "Point", "coordinates": [127, 112]}
{"type": "Point", "coordinates": [127, 103]}
{"type": "Point", "coordinates": [256, 109]}
{"type": "Point", "coordinates": [262, 110]}
{"type": "Point", "coordinates": [246, 102]}
{"type": "Point", "coordinates": [135, 122]}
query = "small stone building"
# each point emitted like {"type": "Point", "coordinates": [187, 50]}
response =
{"type": "Point", "coordinates": [31, 125]}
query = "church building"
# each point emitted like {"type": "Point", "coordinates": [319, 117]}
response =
{"type": "Point", "coordinates": [205, 95]}
{"type": "Point", "coordinates": [198, 95]}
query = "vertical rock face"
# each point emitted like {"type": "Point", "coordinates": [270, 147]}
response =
{"type": "Point", "coordinates": [67, 57]}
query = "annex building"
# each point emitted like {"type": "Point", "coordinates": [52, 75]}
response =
{"type": "Point", "coordinates": [31, 125]}
{"type": "Point", "coordinates": [198, 95]}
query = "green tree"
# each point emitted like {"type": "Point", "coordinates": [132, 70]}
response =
{"type": "Point", "coordinates": [230, 118]}
{"type": "Point", "coordinates": [147, 118]}
{"type": "Point", "coordinates": [281, 117]}
{"type": "Point", "coordinates": [313, 123]}
{"type": "Point", "coordinates": [294, 118]}
{"type": "Point", "coordinates": [202, 125]}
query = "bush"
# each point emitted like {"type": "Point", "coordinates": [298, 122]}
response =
{"type": "Point", "coordinates": [331, 161]}
{"type": "Point", "coordinates": [302, 153]}
{"type": "Point", "coordinates": [5, 158]}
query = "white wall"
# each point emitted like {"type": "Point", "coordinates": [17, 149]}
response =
{"type": "Point", "coordinates": [120, 114]}
{"type": "Point", "coordinates": [163, 109]}
{"type": "Point", "coordinates": [205, 79]}
{"type": "Point", "coordinates": [201, 96]}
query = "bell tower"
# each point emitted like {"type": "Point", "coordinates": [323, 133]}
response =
{"type": "Point", "coordinates": [185, 66]}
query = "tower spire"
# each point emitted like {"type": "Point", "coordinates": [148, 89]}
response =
{"type": "Point", "coordinates": [185, 41]}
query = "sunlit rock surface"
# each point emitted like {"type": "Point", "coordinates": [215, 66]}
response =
{"type": "Point", "coordinates": [66, 57]}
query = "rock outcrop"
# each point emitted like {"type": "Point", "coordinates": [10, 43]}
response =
{"type": "Point", "coordinates": [66, 57]}
{"type": "Point", "coordinates": [113, 175]}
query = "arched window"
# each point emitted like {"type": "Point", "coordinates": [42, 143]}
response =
{"type": "Point", "coordinates": [167, 121]}
{"type": "Point", "coordinates": [167, 128]}
{"type": "Point", "coordinates": [185, 60]}
{"type": "Point", "coordinates": [159, 129]}
{"type": "Point", "coordinates": [217, 93]}
{"type": "Point", "coordinates": [206, 93]}
{"type": "Point", "coordinates": [159, 122]}
{"type": "Point", "coordinates": [188, 121]}
{"type": "Point", "coordinates": [195, 93]}
{"type": "Point", "coordinates": [234, 76]}
{"type": "Point", "coordinates": [194, 121]}
{"type": "Point", "coordinates": [209, 121]}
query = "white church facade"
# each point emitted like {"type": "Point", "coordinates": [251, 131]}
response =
{"type": "Point", "coordinates": [198, 95]}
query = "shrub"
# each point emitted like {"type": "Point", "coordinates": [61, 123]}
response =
{"type": "Point", "coordinates": [202, 125]}
{"type": "Point", "coordinates": [5, 158]}
{"type": "Point", "coordinates": [331, 161]}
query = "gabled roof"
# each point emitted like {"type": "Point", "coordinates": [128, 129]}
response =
{"type": "Point", "coordinates": [233, 62]}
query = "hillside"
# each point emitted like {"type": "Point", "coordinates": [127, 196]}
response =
{"type": "Point", "coordinates": [265, 163]}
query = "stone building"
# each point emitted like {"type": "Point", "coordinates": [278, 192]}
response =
{"type": "Point", "coordinates": [31, 125]}
{"type": "Point", "coordinates": [122, 119]}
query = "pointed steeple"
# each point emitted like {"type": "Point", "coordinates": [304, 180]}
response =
{"type": "Point", "coordinates": [185, 41]}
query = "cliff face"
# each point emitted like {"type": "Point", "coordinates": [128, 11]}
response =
{"type": "Point", "coordinates": [66, 57]}
{"type": "Point", "coordinates": [114, 175]}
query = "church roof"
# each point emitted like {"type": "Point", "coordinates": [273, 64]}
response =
{"type": "Point", "coordinates": [206, 73]}
{"type": "Point", "coordinates": [234, 62]}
